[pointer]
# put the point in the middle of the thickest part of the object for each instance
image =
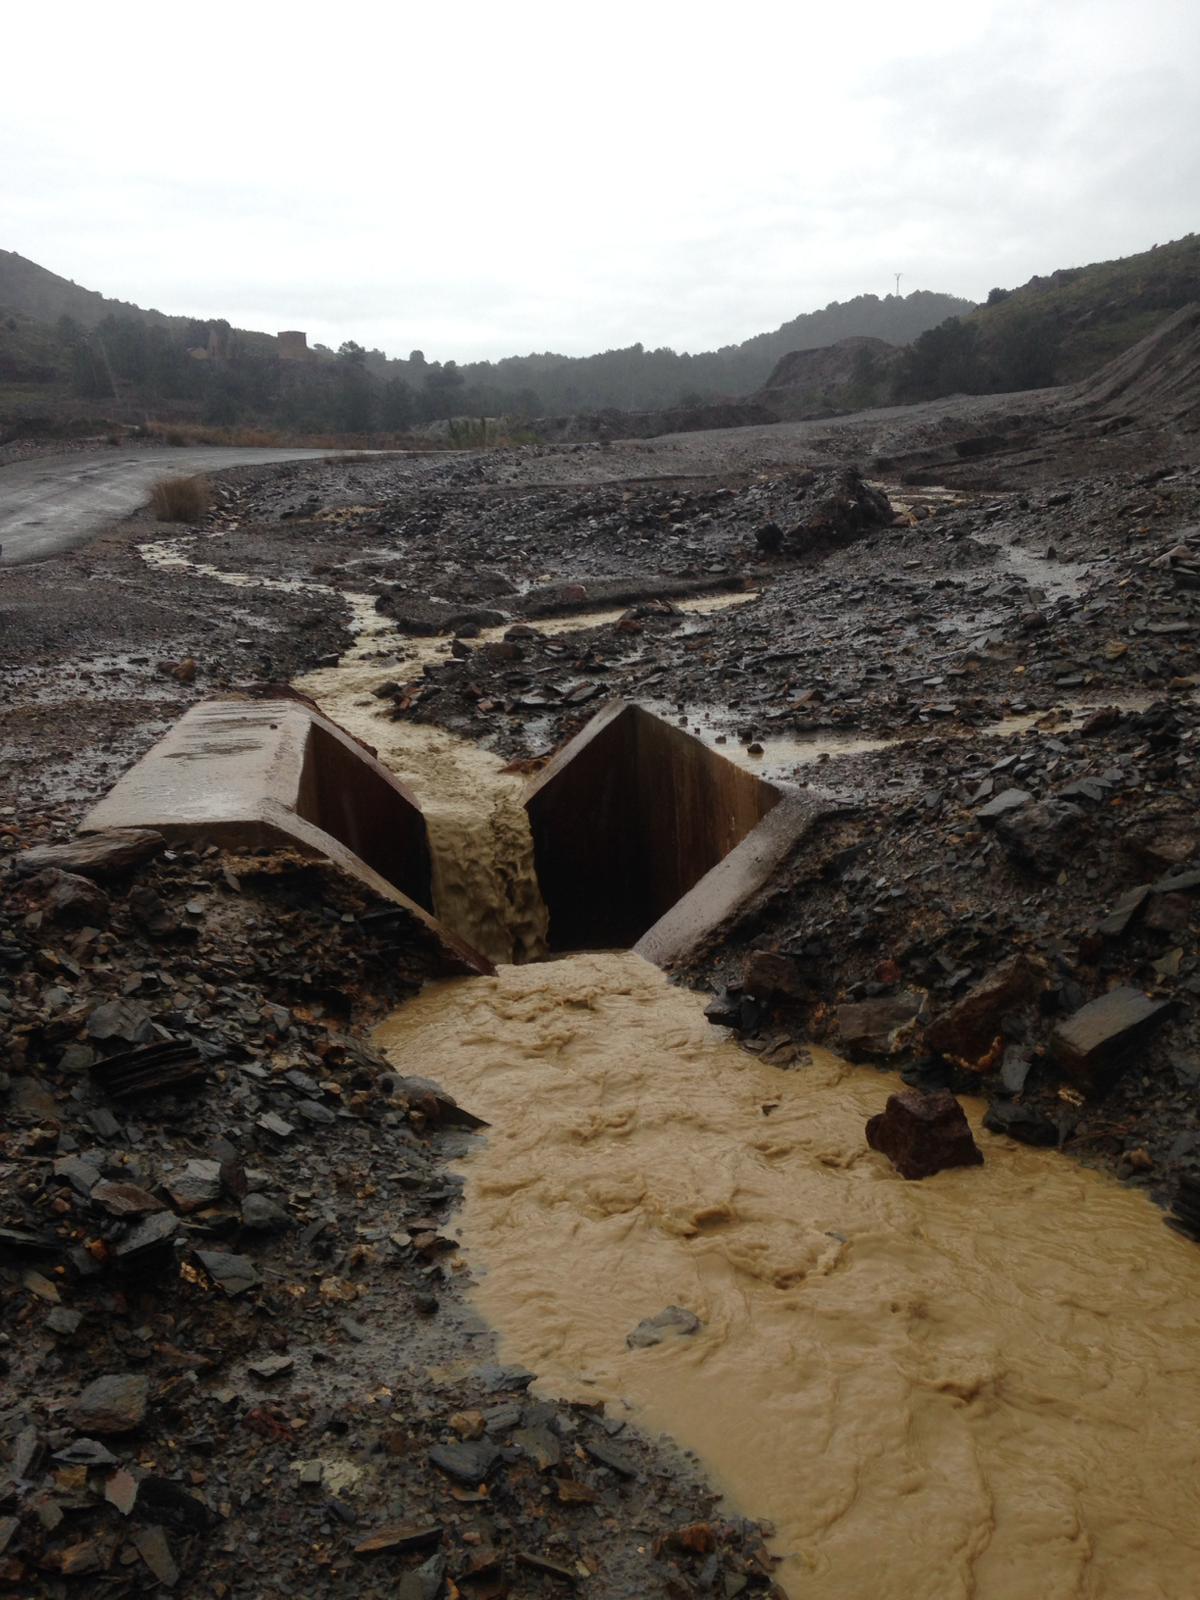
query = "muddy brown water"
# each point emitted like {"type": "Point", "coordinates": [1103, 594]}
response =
{"type": "Point", "coordinates": [979, 1387]}
{"type": "Point", "coordinates": [983, 1385]}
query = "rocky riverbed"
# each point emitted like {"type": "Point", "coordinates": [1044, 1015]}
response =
{"type": "Point", "coordinates": [992, 690]}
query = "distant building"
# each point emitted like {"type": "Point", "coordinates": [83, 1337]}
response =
{"type": "Point", "coordinates": [293, 346]}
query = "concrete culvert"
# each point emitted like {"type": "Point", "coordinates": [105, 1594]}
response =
{"type": "Point", "coordinates": [627, 818]}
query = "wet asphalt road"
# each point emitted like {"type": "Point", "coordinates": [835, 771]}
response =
{"type": "Point", "coordinates": [52, 503]}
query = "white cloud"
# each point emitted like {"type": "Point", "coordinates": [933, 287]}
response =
{"type": "Point", "coordinates": [479, 180]}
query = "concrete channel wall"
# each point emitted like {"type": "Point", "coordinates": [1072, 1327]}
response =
{"type": "Point", "coordinates": [629, 817]}
{"type": "Point", "coordinates": [269, 774]}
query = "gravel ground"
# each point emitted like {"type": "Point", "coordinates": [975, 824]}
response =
{"type": "Point", "coordinates": [967, 891]}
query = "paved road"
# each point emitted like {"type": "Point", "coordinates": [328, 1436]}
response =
{"type": "Point", "coordinates": [52, 503]}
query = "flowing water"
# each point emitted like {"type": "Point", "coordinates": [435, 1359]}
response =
{"type": "Point", "coordinates": [979, 1387]}
{"type": "Point", "coordinates": [983, 1385]}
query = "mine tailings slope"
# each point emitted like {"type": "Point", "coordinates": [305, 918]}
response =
{"type": "Point", "coordinates": [1158, 379]}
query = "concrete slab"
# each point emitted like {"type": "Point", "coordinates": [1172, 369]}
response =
{"type": "Point", "coordinates": [631, 817]}
{"type": "Point", "coordinates": [263, 774]}
{"type": "Point", "coordinates": [728, 887]}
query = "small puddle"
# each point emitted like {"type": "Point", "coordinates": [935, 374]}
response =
{"type": "Point", "coordinates": [983, 1385]}
{"type": "Point", "coordinates": [784, 755]}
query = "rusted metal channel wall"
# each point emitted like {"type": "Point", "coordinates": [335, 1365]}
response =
{"type": "Point", "coordinates": [627, 818]}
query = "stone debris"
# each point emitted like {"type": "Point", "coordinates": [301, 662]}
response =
{"type": "Point", "coordinates": [675, 1320]}
{"type": "Point", "coordinates": [232, 1273]}
{"type": "Point", "coordinates": [112, 1404]}
{"type": "Point", "coordinates": [152, 1069]}
{"type": "Point", "coordinates": [1095, 1042]}
{"type": "Point", "coordinates": [971, 1031]}
{"type": "Point", "coordinates": [878, 1027]}
{"type": "Point", "coordinates": [923, 1133]}
{"type": "Point", "coordinates": [95, 855]}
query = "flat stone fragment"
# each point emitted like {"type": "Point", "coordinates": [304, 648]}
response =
{"type": "Point", "coordinates": [230, 1272]}
{"type": "Point", "coordinates": [877, 1027]}
{"type": "Point", "coordinates": [610, 1458]}
{"type": "Point", "coordinates": [1022, 1123]}
{"type": "Point", "coordinates": [271, 1366]}
{"type": "Point", "coordinates": [95, 855]}
{"type": "Point", "coordinates": [923, 1133]}
{"type": "Point", "coordinates": [1008, 800]}
{"type": "Point", "coordinates": [64, 1321]}
{"type": "Point", "coordinates": [967, 1031]}
{"type": "Point", "coordinates": [550, 1569]}
{"type": "Point", "coordinates": [469, 1462]}
{"type": "Point", "coordinates": [426, 1582]}
{"type": "Point", "coordinates": [121, 1019]}
{"type": "Point", "coordinates": [154, 1550]}
{"type": "Point", "coordinates": [653, 1330]}
{"type": "Point", "coordinates": [121, 1491]}
{"type": "Point", "coordinates": [1093, 1045]}
{"type": "Point", "coordinates": [115, 1403]}
{"type": "Point", "coordinates": [400, 1536]}
{"type": "Point", "coordinates": [199, 1184]}
{"type": "Point", "coordinates": [1123, 912]}
{"type": "Point", "coordinates": [261, 1215]}
{"type": "Point", "coordinates": [85, 1453]}
{"type": "Point", "coordinates": [147, 1239]}
{"type": "Point", "coordinates": [125, 1199]}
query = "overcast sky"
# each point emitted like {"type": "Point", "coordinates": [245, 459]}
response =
{"type": "Point", "coordinates": [488, 179]}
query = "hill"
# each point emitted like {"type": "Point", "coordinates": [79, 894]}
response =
{"type": "Point", "coordinates": [62, 346]}
{"type": "Point", "coordinates": [1054, 329]}
{"type": "Point", "coordinates": [27, 290]}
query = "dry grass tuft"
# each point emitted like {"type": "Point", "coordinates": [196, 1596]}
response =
{"type": "Point", "coordinates": [180, 499]}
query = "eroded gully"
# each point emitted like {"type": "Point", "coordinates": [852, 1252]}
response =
{"type": "Point", "coordinates": [980, 1386]}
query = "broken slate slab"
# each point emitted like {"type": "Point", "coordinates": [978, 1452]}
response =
{"type": "Point", "coordinates": [63, 1321]}
{"type": "Point", "coordinates": [125, 1199]}
{"type": "Point", "coordinates": [967, 1031]}
{"type": "Point", "coordinates": [152, 1546]}
{"type": "Point", "coordinates": [271, 1367]}
{"type": "Point", "coordinates": [148, 1241]}
{"type": "Point", "coordinates": [199, 1184]}
{"type": "Point", "coordinates": [469, 1462]}
{"type": "Point", "coordinates": [235, 1274]}
{"type": "Point", "coordinates": [121, 1019]}
{"type": "Point", "coordinates": [675, 1320]}
{"type": "Point", "coordinates": [262, 1215]}
{"type": "Point", "coordinates": [95, 855]}
{"type": "Point", "coordinates": [1008, 800]}
{"type": "Point", "coordinates": [1122, 914]}
{"type": "Point", "coordinates": [1021, 1122]}
{"type": "Point", "coordinates": [877, 1027]}
{"type": "Point", "coordinates": [921, 1133]}
{"type": "Point", "coordinates": [400, 1536]}
{"type": "Point", "coordinates": [614, 1460]}
{"type": "Point", "coordinates": [425, 1583]}
{"type": "Point", "coordinates": [115, 1403]}
{"type": "Point", "coordinates": [1093, 1045]}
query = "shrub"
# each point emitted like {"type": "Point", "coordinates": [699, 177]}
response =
{"type": "Point", "coordinates": [180, 499]}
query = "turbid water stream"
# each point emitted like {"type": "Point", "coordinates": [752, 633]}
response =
{"type": "Point", "coordinates": [983, 1385]}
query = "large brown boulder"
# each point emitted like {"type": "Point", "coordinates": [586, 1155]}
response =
{"type": "Point", "coordinates": [922, 1133]}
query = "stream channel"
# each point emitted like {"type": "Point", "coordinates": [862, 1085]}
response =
{"type": "Point", "coordinates": [982, 1386]}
